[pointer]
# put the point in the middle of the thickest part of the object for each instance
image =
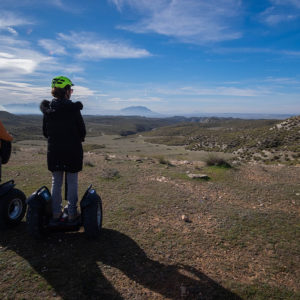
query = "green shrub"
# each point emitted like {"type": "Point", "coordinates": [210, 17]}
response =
{"type": "Point", "coordinates": [216, 160]}
{"type": "Point", "coordinates": [163, 161]}
{"type": "Point", "coordinates": [91, 147]}
{"type": "Point", "coordinates": [110, 174]}
{"type": "Point", "coordinates": [88, 163]}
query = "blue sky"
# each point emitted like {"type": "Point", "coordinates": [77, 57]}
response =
{"type": "Point", "coordinates": [173, 56]}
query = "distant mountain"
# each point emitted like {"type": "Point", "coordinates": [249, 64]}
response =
{"type": "Point", "coordinates": [139, 111]}
{"type": "Point", "coordinates": [23, 108]}
{"type": "Point", "coordinates": [248, 116]}
{"type": "Point", "coordinates": [7, 117]}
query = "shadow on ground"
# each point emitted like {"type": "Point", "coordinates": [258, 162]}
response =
{"type": "Point", "coordinates": [72, 267]}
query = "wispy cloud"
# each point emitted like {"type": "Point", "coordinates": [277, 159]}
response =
{"type": "Point", "coordinates": [26, 92]}
{"type": "Point", "coordinates": [9, 20]}
{"type": "Point", "coordinates": [22, 62]}
{"type": "Point", "coordinates": [281, 11]}
{"type": "Point", "coordinates": [135, 100]}
{"type": "Point", "coordinates": [248, 50]}
{"type": "Point", "coordinates": [283, 81]}
{"type": "Point", "coordinates": [92, 47]}
{"type": "Point", "coordinates": [19, 59]}
{"type": "Point", "coordinates": [52, 46]}
{"type": "Point", "coordinates": [193, 21]}
{"type": "Point", "coordinates": [216, 91]}
{"type": "Point", "coordinates": [293, 3]}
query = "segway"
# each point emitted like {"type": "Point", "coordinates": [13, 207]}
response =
{"type": "Point", "coordinates": [39, 214]}
{"type": "Point", "coordinates": [12, 203]}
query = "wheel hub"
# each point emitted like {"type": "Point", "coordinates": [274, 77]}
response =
{"type": "Point", "coordinates": [15, 209]}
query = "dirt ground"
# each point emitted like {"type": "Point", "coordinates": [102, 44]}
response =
{"type": "Point", "coordinates": [165, 235]}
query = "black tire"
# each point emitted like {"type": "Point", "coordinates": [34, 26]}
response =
{"type": "Point", "coordinates": [92, 219]}
{"type": "Point", "coordinates": [12, 208]}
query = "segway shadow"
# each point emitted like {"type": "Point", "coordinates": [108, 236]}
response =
{"type": "Point", "coordinates": [39, 215]}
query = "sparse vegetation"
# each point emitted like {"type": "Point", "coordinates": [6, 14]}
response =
{"type": "Point", "coordinates": [162, 160]}
{"type": "Point", "coordinates": [88, 163]}
{"type": "Point", "coordinates": [240, 239]}
{"type": "Point", "coordinates": [110, 174]}
{"type": "Point", "coordinates": [216, 160]}
{"type": "Point", "coordinates": [91, 147]}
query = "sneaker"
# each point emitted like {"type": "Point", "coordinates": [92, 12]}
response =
{"type": "Point", "coordinates": [74, 220]}
{"type": "Point", "coordinates": [55, 220]}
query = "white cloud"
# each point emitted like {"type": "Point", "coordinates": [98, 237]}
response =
{"type": "Point", "coordinates": [12, 31]}
{"type": "Point", "coordinates": [281, 11]}
{"type": "Point", "coordinates": [9, 20]}
{"type": "Point", "coordinates": [52, 46]}
{"type": "Point", "coordinates": [291, 53]}
{"type": "Point", "coordinates": [295, 3]}
{"type": "Point", "coordinates": [17, 59]}
{"type": "Point", "coordinates": [92, 47]}
{"type": "Point", "coordinates": [220, 50]}
{"type": "Point", "coordinates": [216, 91]}
{"type": "Point", "coordinates": [24, 92]}
{"type": "Point", "coordinates": [22, 65]}
{"type": "Point", "coordinates": [195, 21]}
{"type": "Point", "coordinates": [135, 99]}
{"type": "Point", "coordinates": [276, 19]}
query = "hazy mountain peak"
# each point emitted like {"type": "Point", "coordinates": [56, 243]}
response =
{"type": "Point", "coordinates": [138, 111]}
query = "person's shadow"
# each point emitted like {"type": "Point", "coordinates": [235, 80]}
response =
{"type": "Point", "coordinates": [72, 267]}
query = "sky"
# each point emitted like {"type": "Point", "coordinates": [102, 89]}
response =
{"type": "Point", "coordinates": [172, 56]}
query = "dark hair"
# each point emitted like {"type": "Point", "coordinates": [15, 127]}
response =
{"type": "Point", "coordinates": [60, 93]}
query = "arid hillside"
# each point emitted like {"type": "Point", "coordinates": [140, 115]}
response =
{"type": "Point", "coordinates": [232, 235]}
{"type": "Point", "coordinates": [250, 140]}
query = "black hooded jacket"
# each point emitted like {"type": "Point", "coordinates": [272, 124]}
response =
{"type": "Point", "coordinates": [64, 128]}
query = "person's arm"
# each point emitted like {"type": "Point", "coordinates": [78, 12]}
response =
{"type": "Point", "coordinates": [81, 126]}
{"type": "Point", "coordinates": [4, 135]}
{"type": "Point", "coordinates": [45, 133]}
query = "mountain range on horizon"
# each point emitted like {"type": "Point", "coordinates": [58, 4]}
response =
{"type": "Point", "coordinates": [143, 111]}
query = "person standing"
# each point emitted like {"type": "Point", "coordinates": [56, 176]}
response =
{"type": "Point", "coordinates": [64, 128]}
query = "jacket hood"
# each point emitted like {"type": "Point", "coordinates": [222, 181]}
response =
{"type": "Point", "coordinates": [57, 105]}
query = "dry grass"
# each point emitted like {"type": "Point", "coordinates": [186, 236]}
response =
{"type": "Point", "coordinates": [243, 240]}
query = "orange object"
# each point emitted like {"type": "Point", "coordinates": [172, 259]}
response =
{"type": "Point", "coordinates": [4, 135]}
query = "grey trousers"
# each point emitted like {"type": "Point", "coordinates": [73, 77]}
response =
{"type": "Point", "coordinates": [72, 195]}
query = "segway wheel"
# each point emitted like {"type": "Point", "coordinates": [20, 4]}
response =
{"type": "Point", "coordinates": [92, 218]}
{"type": "Point", "coordinates": [12, 208]}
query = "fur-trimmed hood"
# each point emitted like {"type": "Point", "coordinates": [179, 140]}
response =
{"type": "Point", "coordinates": [48, 107]}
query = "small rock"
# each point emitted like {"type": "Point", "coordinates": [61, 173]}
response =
{"type": "Point", "coordinates": [198, 176]}
{"type": "Point", "coordinates": [185, 219]}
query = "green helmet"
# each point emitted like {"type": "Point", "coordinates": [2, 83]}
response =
{"type": "Point", "coordinates": [61, 82]}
